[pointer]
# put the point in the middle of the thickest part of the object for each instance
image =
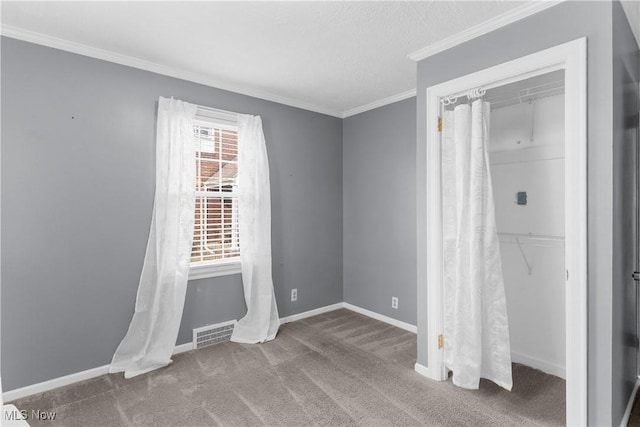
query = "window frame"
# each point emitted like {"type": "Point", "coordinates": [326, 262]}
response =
{"type": "Point", "coordinates": [223, 267]}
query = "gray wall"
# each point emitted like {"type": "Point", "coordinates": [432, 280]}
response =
{"type": "Point", "coordinates": [379, 209]}
{"type": "Point", "coordinates": [77, 193]}
{"type": "Point", "coordinates": [562, 23]}
{"type": "Point", "coordinates": [626, 69]}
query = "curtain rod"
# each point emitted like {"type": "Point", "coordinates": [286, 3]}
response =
{"type": "Point", "coordinates": [506, 81]}
{"type": "Point", "coordinates": [220, 116]}
{"type": "Point", "coordinates": [470, 94]}
{"type": "Point", "coordinates": [215, 110]}
{"type": "Point", "coordinates": [211, 110]}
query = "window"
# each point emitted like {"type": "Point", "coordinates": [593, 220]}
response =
{"type": "Point", "coordinates": [216, 245]}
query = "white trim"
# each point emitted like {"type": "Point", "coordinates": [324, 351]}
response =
{"type": "Point", "coordinates": [183, 348]}
{"type": "Point", "coordinates": [381, 317]}
{"type": "Point", "coordinates": [372, 314]}
{"type": "Point", "coordinates": [549, 368]}
{"type": "Point", "coordinates": [576, 259]}
{"type": "Point", "coordinates": [54, 383]}
{"type": "Point", "coordinates": [509, 17]}
{"type": "Point", "coordinates": [29, 390]}
{"type": "Point", "coordinates": [627, 412]}
{"type": "Point", "coordinates": [572, 57]}
{"type": "Point", "coordinates": [379, 103]}
{"type": "Point", "coordinates": [422, 370]}
{"type": "Point", "coordinates": [141, 64]}
{"type": "Point", "coordinates": [204, 271]}
{"type": "Point", "coordinates": [311, 313]}
{"type": "Point", "coordinates": [544, 366]}
{"type": "Point", "coordinates": [130, 61]}
{"type": "Point", "coordinates": [436, 367]}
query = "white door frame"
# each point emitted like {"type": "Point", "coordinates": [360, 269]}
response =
{"type": "Point", "coordinates": [571, 57]}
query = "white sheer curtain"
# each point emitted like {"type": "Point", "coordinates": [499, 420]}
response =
{"type": "Point", "coordinates": [152, 333]}
{"type": "Point", "coordinates": [261, 322]}
{"type": "Point", "coordinates": [476, 329]}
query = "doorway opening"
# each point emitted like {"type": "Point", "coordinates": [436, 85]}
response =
{"type": "Point", "coordinates": [541, 210]}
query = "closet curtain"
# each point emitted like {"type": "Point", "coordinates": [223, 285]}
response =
{"type": "Point", "coordinates": [152, 334]}
{"type": "Point", "coordinates": [476, 330]}
{"type": "Point", "coordinates": [261, 322]}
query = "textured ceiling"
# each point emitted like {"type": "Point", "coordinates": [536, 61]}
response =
{"type": "Point", "coordinates": [333, 55]}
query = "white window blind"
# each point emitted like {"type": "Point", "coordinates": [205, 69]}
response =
{"type": "Point", "coordinates": [215, 237]}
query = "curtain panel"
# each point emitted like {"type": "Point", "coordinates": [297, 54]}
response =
{"type": "Point", "coordinates": [261, 322]}
{"type": "Point", "coordinates": [153, 331]}
{"type": "Point", "coordinates": [476, 327]}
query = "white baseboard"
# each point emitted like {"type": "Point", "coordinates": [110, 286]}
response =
{"type": "Point", "coordinates": [54, 383]}
{"type": "Point", "coordinates": [632, 398]}
{"type": "Point", "coordinates": [422, 370]}
{"type": "Point", "coordinates": [372, 314]}
{"type": "Point", "coordinates": [381, 317]}
{"type": "Point", "coordinates": [525, 360]}
{"type": "Point", "coordinates": [29, 390]}
{"type": "Point", "coordinates": [544, 366]}
{"type": "Point", "coordinates": [311, 313]}
{"type": "Point", "coordinates": [182, 348]}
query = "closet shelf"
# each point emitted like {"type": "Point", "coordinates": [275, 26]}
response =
{"type": "Point", "coordinates": [532, 236]}
{"type": "Point", "coordinates": [531, 239]}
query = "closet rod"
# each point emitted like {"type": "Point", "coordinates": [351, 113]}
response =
{"type": "Point", "coordinates": [508, 80]}
{"type": "Point", "coordinates": [530, 236]}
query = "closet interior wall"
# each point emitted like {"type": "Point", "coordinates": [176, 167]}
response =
{"type": "Point", "coordinates": [527, 156]}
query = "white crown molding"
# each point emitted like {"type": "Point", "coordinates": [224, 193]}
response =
{"type": "Point", "coordinates": [513, 15]}
{"type": "Point", "coordinates": [106, 55]}
{"type": "Point", "coordinates": [379, 103]}
{"type": "Point", "coordinates": [130, 61]}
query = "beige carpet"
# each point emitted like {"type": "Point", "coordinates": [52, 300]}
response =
{"type": "Point", "coordinates": [335, 369]}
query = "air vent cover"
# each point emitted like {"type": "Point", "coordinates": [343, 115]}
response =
{"type": "Point", "coordinates": [212, 334]}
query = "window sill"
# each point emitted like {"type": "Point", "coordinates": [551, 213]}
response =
{"type": "Point", "coordinates": [204, 271]}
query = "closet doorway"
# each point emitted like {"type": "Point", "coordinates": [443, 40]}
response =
{"type": "Point", "coordinates": [545, 247]}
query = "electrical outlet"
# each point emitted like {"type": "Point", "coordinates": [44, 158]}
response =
{"type": "Point", "coordinates": [294, 294]}
{"type": "Point", "coordinates": [394, 302]}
